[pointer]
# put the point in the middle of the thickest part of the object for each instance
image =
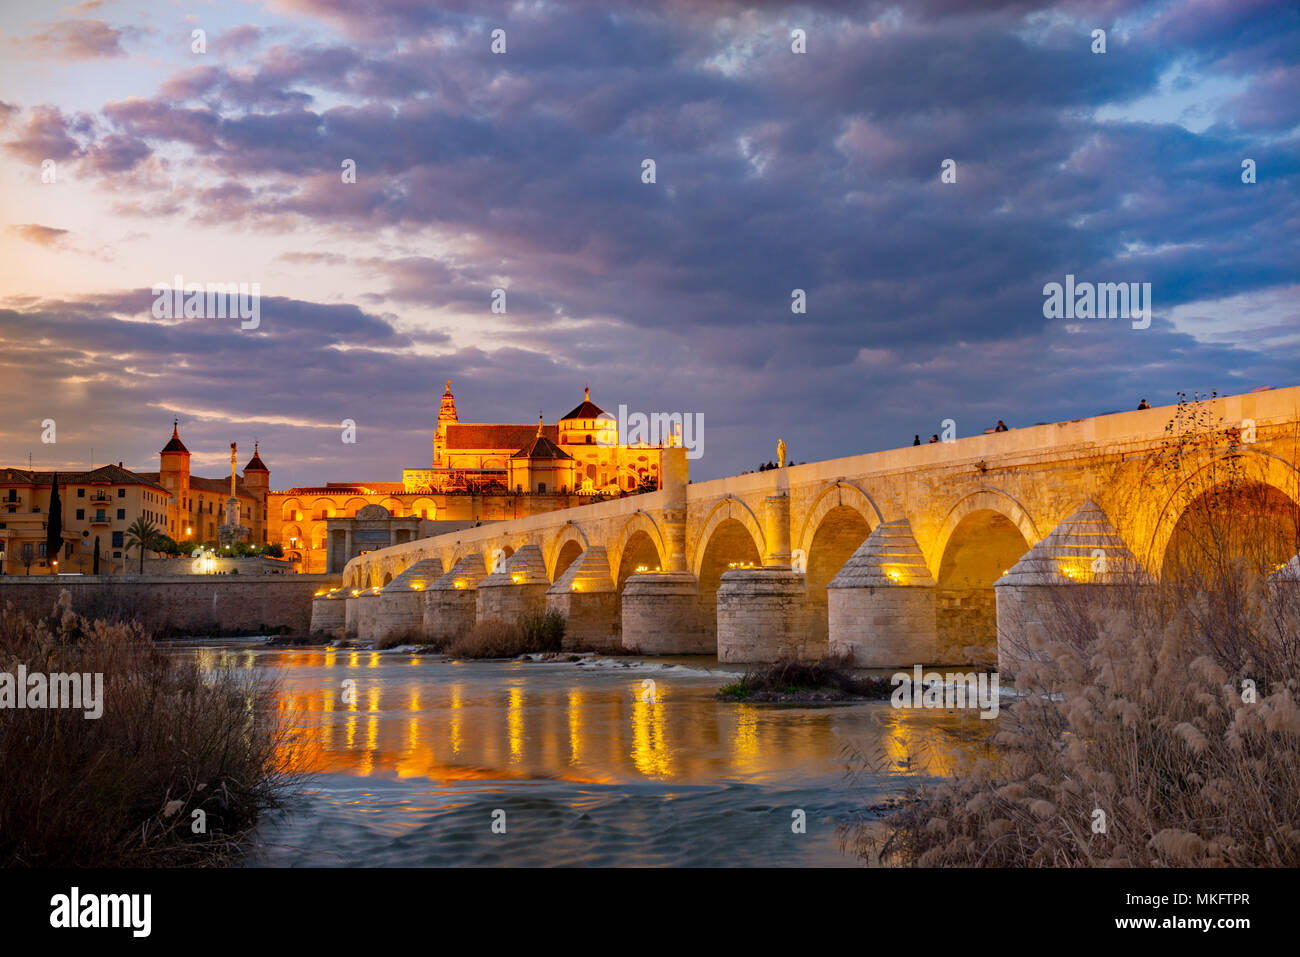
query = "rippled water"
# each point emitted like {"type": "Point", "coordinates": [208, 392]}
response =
{"type": "Point", "coordinates": [411, 772]}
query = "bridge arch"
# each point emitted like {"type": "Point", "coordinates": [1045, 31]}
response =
{"type": "Point", "coordinates": [728, 509]}
{"type": "Point", "coordinates": [839, 521]}
{"type": "Point", "coordinates": [569, 543]}
{"type": "Point", "coordinates": [731, 537]}
{"type": "Point", "coordinates": [639, 524]}
{"type": "Point", "coordinates": [983, 499]}
{"type": "Point", "coordinates": [984, 534]}
{"type": "Point", "coordinates": [640, 546]}
{"type": "Point", "coordinates": [1266, 483]}
{"type": "Point", "coordinates": [839, 494]}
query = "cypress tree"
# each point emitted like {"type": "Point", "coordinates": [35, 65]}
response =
{"type": "Point", "coordinates": [54, 525]}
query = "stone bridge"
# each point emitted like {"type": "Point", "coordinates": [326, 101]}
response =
{"type": "Point", "coordinates": [892, 556]}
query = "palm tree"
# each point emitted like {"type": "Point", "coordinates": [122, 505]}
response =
{"type": "Point", "coordinates": [143, 535]}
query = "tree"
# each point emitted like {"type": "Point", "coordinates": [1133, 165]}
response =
{"type": "Point", "coordinates": [142, 535]}
{"type": "Point", "coordinates": [95, 567]}
{"type": "Point", "coordinates": [54, 526]}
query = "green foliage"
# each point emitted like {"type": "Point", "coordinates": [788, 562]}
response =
{"type": "Point", "coordinates": [142, 535]}
{"type": "Point", "coordinates": [543, 630]}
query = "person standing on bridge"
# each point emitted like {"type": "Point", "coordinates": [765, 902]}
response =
{"type": "Point", "coordinates": [916, 439]}
{"type": "Point", "coordinates": [1001, 427]}
{"type": "Point", "coordinates": [934, 439]}
{"type": "Point", "coordinates": [1143, 405]}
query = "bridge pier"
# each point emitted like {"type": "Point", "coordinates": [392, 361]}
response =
{"type": "Point", "coordinates": [662, 616]}
{"type": "Point", "coordinates": [1081, 571]}
{"type": "Point", "coordinates": [517, 588]}
{"type": "Point", "coordinates": [450, 603]}
{"type": "Point", "coordinates": [585, 596]}
{"type": "Point", "coordinates": [763, 616]}
{"type": "Point", "coordinates": [400, 615]}
{"type": "Point", "coordinates": [881, 606]}
{"type": "Point", "coordinates": [350, 605]}
{"type": "Point", "coordinates": [329, 614]}
{"type": "Point", "coordinates": [367, 605]}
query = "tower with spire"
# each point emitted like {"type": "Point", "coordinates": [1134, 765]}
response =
{"type": "Point", "coordinates": [257, 480]}
{"type": "Point", "coordinates": [446, 417]}
{"type": "Point", "coordinates": [174, 470]}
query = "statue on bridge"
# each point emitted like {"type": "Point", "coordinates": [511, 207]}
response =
{"type": "Point", "coordinates": [780, 453]}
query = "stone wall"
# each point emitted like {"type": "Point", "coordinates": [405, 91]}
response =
{"type": "Point", "coordinates": [189, 604]}
{"type": "Point", "coordinates": [248, 565]}
{"type": "Point", "coordinates": [966, 616]}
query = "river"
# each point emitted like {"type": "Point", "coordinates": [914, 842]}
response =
{"type": "Point", "coordinates": [414, 763]}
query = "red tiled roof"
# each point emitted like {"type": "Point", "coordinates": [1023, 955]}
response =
{"type": "Point", "coordinates": [175, 444]}
{"type": "Point", "coordinates": [541, 448]}
{"type": "Point", "coordinates": [500, 438]}
{"type": "Point", "coordinates": [108, 474]}
{"type": "Point", "coordinates": [588, 409]}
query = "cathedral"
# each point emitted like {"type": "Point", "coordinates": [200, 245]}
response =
{"type": "Point", "coordinates": [580, 453]}
{"type": "Point", "coordinates": [478, 472]}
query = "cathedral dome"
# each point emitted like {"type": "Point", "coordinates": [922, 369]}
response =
{"type": "Point", "coordinates": [588, 409]}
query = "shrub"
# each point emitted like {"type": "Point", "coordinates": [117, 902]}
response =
{"type": "Point", "coordinates": [831, 674]}
{"type": "Point", "coordinates": [491, 638]}
{"type": "Point", "coordinates": [120, 790]}
{"type": "Point", "coordinates": [494, 638]}
{"type": "Point", "coordinates": [543, 630]}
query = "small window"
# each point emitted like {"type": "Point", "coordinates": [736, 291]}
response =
{"type": "Point", "coordinates": [541, 487]}
{"type": "Point", "coordinates": [121, 513]}
{"type": "Point", "coordinates": [117, 554]}
{"type": "Point", "coordinates": [81, 493]}
{"type": "Point", "coordinates": [117, 541]}
{"type": "Point", "coordinates": [121, 493]}
{"type": "Point", "coordinates": [81, 513]}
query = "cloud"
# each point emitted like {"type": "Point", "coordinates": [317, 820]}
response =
{"type": "Point", "coordinates": [47, 236]}
{"type": "Point", "coordinates": [775, 171]}
{"type": "Point", "coordinates": [76, 40]}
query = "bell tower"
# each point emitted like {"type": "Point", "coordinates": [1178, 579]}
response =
{"type": "Point", "coordinates": [446, 417]}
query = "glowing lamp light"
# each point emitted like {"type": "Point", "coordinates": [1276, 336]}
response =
{"type": "Point", "coordinates": [460, 583]}
{"type": "Point", "coordinates": [517, 578]}
{"type": "Point", "coordinates": [356, 592]}
{"type": "Point", "coordinates": [416, 586]}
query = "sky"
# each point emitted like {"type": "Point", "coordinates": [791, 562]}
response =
{"type": "Point", "coordinates": [523, 170]}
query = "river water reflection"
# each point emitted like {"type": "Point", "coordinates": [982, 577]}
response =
{"type": "Point", "coordinates": [409, 770]}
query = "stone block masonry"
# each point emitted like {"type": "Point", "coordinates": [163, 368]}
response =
{"type": "Point", "coordinates": [189, 604]}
